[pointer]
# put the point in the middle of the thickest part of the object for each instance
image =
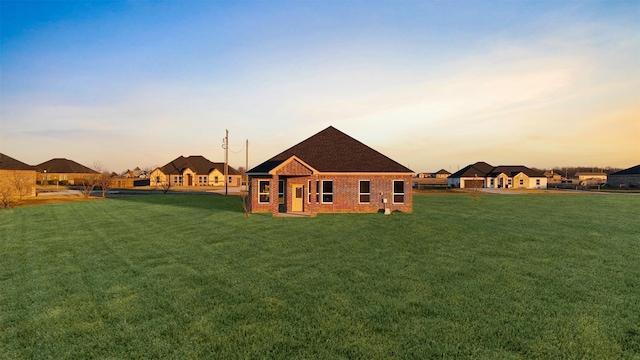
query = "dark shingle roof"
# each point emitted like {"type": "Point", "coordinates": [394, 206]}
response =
{"type": "Point", "coordinates": [64, 166]}
{"type": "Point", "coordinates": [331, 150]}
{"type": "Point", "coordinates": [482, 169]}
{"type": "Point", "coordinates": [199, 164]}
{"type": "Point", "coordinates": [512, 170]}
{"type": "Point", "coordinates": [9, 163]}
{"type": "Point", "coordinates": [634, 170]}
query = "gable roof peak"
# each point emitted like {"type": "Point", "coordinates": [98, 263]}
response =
{"type": "Point", "coordinates": [331, 150]}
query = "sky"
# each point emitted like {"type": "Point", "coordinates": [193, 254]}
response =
{"type": "Point", "coordinates": [431, 84]}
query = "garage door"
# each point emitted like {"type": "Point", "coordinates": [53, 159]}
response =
{"type": "Point", "coordinates": [473, 184]}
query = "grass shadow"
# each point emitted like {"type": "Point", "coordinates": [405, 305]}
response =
{"type": "Point", "coordinates": [212, 201]}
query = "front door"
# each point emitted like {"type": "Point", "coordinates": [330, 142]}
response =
{"type": "Point", "coordinates": [296, 202]}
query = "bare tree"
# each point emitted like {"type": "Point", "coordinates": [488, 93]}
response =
{"type": "Point", "coordinates": [6, 193]}
{"type": "Point", "coordinates": [90, 181]}
{"type": "Point", "coordinates": [88, 184]}
{"type": "Point", "coordinates": [14, 187]}
{"type": "Point", "coordinates": [244, 198]}
{"type": "Point", "coordinates": [104, 181]}
{"type": "Point", "coordinates": [165, 186]}
{"type": "Point", "coordinates": [22, 183]}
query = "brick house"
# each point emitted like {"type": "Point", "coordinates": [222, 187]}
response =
{"type": "Point", "coordinates": [63, 171]}
{"type": "Point", "coordinates": [330, 172]}
{"type": "Point", "coordinates": [194, 170]}
{"type": "Point", "coordinates": [17, 179]}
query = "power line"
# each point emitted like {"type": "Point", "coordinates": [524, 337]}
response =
{"type": "Point", "coordinates": [239, 151]}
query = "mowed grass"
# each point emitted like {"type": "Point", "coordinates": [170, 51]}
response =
{"type": "Point", "coordinates": [189, 276]}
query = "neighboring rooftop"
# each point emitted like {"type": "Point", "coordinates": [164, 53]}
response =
{"type": "Point", "coordinates": [197, 163]}
{"type": "Point", "coordinates": [482, 169]}
{"type": "Point", "coordinates": [479, 169]}
{"type": "Point", "coordinates": [634, 170]}
{"type": "Point", "coordinates": [9, 163]}
{"type": "Point", "coordinates": [512, 170]}
{"type": "Point", "coordinates": [63, 166]}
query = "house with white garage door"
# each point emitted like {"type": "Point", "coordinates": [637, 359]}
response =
{"type": "Point", "coordinates": [483, 175]}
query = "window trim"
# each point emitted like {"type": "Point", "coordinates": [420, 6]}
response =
{"type": "Point", "coordinates": [327, 193]}
{"type": "Point", "coordinates": [281, 186]}
{"type": "Point", "coordinates": [360, 193]}
{"type": "Point", "coordinates": [403, 193]}
{"type": "Point", "coordinates": [308, 191]}
{"type": "Point", "coordinates": [268, 192]}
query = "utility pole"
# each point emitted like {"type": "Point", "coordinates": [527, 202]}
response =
{"type": "Point", "coordinates": [226, 162]}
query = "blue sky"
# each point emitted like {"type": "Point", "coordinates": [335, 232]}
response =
{"type": "Point", "coordinates": [432, 84]}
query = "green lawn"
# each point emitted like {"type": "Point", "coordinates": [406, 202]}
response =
{"type": "Point", "coordinates": [189, 276]}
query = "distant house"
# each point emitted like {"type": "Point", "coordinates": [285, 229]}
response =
{"type": "Point", "coordinates": [552, 176]}
{"type": "Point", "coordinates": [136, 173]}
{"type": "Point", "coordinates": [16, 178]}
{"type": "Point", "coordinates": [590, 178]}
{"type": "Point", "coordinates": [63, 171]}
{"type": "Point", "coordinates": [194, 170]}
{"type": "Point", "coordinates": [442, 174]}
{"type": "Point", "coordinates": [625, 178]}
{"type": "Point", "coordinates": [327, 173]}
{"type": "Point", "coordinates": [483, 175]}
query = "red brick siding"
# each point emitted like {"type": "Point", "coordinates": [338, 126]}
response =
{"type": "Point", "coordinates": [254, 205]}
{"type": "Point", "coordinates": [345, 193]}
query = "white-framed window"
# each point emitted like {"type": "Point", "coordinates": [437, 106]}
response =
{"type": "Point", "coordinates": [491, 182]}
{"type": "Point", "coordinates": [398, 191]}
{"type": "Point", "coordinates": [317, 191]}
{"type": "Point", "coordinates": [230, 180]}
{"type": "Point", "coordinates": [177, 179]}
{"type": "Point", "coordinates": [215, 179]}
{"type": "Point", "coordinates": [327, 191]}
{"type": "Point", "coordinates": [521, 182]}
{"type": "Point", "coordinates": [364, 192]}
{"type": "Point", "coordinates": [281, 192]}
{"type": "Point", "coordinates": [263, 191]}
{"type": "Point", "coordinates": [509, 182]}
{"type": "Point", "coordinates": [537, 181]}
{"type": "Point", "coordinates": [309, 192]}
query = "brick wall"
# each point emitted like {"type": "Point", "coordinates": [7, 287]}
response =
{"type": "Point", "coordinates": [346, 193]}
